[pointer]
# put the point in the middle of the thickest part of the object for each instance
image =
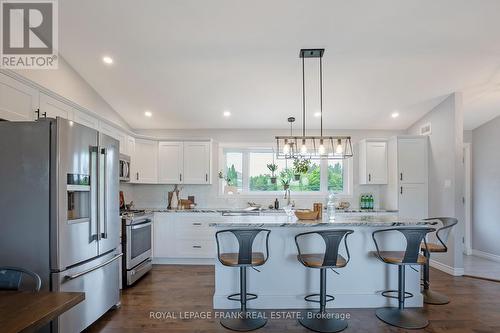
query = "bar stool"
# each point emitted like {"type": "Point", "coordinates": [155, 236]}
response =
{"type": "Point", "coordinates": [322, 321]}
{"type": "Point", "coordinates": [442, 234]}
{"type": "Point", "coordinates": [401, 317]}
{"type": "Point", "coordinates": [243, 259]}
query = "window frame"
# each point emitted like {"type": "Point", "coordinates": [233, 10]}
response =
{"type": "Point", "coordinates": [347, 169]}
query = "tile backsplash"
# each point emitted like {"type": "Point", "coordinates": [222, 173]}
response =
{"type": "Point", "coordinates": [155, 196]}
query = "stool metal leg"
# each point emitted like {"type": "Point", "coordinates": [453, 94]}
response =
{"type": "Point", "coordinates": [323, 321]}
{"type": "Point", "coordinates": [401, 317]}
{"type": "Point", "coordinates": [431, 297]}
{"type": "Point", "coordinates": [244, 320]}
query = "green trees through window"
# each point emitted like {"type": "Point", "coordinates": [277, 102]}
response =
{"type": "Point", "coordinates": [259, 177]}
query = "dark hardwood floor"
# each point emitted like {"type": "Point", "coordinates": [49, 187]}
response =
{"type": "Point", "coordinates": [474, 306]}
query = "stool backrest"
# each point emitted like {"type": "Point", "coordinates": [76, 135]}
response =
{"type": "Point", "coordinates": [245, 238]}
{"type": "Point", "coordinates": [11, 278]}
{"type": "Point", "coordinates": [413, 236]}
{"type": "Point", "coordinates": [443, 233]}
{"type": "Point", "coordinates": [332, 239]}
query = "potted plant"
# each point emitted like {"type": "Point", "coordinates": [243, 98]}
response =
{"type": "Point", "coordinates": [300, 167]}
{"type": "Point", "coordinates": [272, 167]}
{"type": "Point", "coordinates": [286, 183]}
{"type": "Point", "coordinates": [285, 179]}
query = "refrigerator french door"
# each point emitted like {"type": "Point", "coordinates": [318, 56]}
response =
{"type": "Point", "coordinates": [88, 223]}
{"type": "Point", "coordinates": [59, 199]}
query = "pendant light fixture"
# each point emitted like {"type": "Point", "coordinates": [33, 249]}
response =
{"type": "Point", "coordinates": [312, 147]}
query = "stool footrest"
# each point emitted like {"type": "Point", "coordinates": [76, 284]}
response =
{"type": "Point", "coordinates": [237, 297]}
{"type": "Point", "coordinates": [388, 292]}
{"type": "Point", "coordinates": [329, 298]}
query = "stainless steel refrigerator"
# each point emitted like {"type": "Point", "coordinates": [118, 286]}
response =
{"type": "Point", "coordinates": [59, 208]}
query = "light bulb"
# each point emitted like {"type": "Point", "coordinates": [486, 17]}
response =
{"type": "Point", "coordinates": [321, 148]}
{"type": "Point", "coordinates": [303, 148]}
{"type": "Point", "coordinates": [339, 150]}
{"type": "Point", "coordinates": [286, 148]}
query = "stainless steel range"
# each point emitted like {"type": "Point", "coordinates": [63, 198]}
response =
{"type": "Point", "coordinates": [136, 245]}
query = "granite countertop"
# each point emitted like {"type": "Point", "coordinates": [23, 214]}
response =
{"type": "Point", "coordinates": [340, 220]}
{"type": "Point", "coordinates": [266, 210]}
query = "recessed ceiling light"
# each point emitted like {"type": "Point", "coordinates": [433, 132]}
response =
{"type": "Point", "coordinates": [227, 113]}
{"type": "Point", "coordinates": [395, 114]}
{"type": "Point", "coordinates": [148, 114]}
{"type": "Point", "coordinates": [317, 114]}
{"type": "Point", "coordinates": [107, 60]}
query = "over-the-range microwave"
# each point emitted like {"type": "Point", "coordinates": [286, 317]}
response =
{"type": "Point", "coordinates": [124, 168]}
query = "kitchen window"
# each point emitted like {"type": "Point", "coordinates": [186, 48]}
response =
{"type": "Point", "coordinates": [245, 171]}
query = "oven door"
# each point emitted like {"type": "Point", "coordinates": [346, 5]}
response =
{"type": "Point", "coordinates": [138, 243]}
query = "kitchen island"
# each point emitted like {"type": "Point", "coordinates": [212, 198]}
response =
{"type": "Point", "coordinates": [283, 281]}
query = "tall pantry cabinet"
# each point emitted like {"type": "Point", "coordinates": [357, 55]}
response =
{"type": "Point", "coordinates": [408, 176]}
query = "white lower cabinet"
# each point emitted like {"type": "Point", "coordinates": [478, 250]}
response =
{"type": "Point", "coordinates": [183, 236]}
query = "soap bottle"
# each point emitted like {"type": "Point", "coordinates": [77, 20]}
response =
{"type": "Point", "coordinates": [276, 204]}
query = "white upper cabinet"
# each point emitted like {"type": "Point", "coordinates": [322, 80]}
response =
{"type": "Point", "coordinates": [18, 101]}
{"type": "Point", "coordinates": [117, 134]}
{"type": "Point", "coordinates": [123, 138]}
{"type": "Point", "coordinates": [130, 146]}
{"type": "Point", "coordinates": [85, 119]}
{"type": "Point", "coordinates": [107, 129]}
{"type": "Point", "coordinates": [144, 162]}
{"type": "Point", "coordinates": [373, 161]}
{"type": "Point", "coordinates": [52, 108]}
{"type": "Point", "coordinates": [170, 162]}
{"type": "Point", "coordinates": [197, 162]}
{"type": "Point", "coordinates": [412, 160]}
{"type": "Point", "coordinates": [187, 162]}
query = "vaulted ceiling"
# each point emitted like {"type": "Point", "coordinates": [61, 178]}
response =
{"type": "Point", "coordinates": [188, 61]}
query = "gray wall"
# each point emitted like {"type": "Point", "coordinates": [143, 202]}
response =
{"type": "Point", "coordinates": [486, 187]}
{"type": "Point", "coordinates": [446, 173]}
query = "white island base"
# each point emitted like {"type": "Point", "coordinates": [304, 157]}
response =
{"type": "Point", "coordinates": [283, 281]}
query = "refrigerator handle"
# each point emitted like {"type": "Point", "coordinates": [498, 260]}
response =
{"type": "Point", "coordinates": [103, 223]}
{"type": "Point", "coordinates": [77, 275]}
{"type": "Point", "coordinates": [93, 195]}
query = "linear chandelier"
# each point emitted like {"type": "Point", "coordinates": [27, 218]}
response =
{"type": "Point", "coordinates": [307, 146]}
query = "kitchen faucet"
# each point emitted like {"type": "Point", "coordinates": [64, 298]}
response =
{"type": "Point", "coordinates": [288, 197]}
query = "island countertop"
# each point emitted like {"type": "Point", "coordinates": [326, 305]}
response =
{"type": "Point", "coordinates": [341, 220]}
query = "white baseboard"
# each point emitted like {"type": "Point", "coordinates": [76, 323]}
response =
{"type": "Point", "coordinates": [447, 269]}
{"type": "Point", "coordinates": [486, 255]}
{"type": "Point", "coordinates": [183, 261]}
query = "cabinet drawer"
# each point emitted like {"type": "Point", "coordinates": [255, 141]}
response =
{"type": "Point", "coordinates": [193, 230]}
{"type": "Point", "coordinates": [195, 248]}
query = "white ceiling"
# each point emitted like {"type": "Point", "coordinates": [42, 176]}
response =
{"type": "Point", "coordinates": [187, 61]}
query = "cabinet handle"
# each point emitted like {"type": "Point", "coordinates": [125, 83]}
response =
{"type": "Point", "coordinates": [136, 176]}
{"type": "Point", "coordinates": [196, 247]}
{"type": "Point", "coordinates": [401, 191]}
{"type": "Point", "coordinates": [180, 177]}
{"type": "Point", "coordinates": [369, 177]}
{"type": "Point", "coordinates": [401, 176]}
{"type": "Point", "coordinates": [37, 112]}
{"type": "Point", "coordinates": [196, 223]}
